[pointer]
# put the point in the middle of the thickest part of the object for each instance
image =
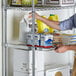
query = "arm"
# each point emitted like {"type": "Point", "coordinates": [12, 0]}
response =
{"type": "Point", "coordinates": [63, 25]}
{"type": "Point", "coordinates": [67, 24]}
{"type": "Point", "coordinates": [65, 48]}
{"type": "Point", "coordinates": [53, 24]}
{"type": "Point", "coordinates": [72, 47]}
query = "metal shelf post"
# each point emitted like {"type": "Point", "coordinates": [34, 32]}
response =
{"type": "Point", "coordinates": [4, 39]}
{"type": "Point", "coordinates": [33, 48]}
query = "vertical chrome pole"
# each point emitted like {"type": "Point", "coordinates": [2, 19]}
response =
{"type": "Point", "coordinates": [4, 38]}
{"type": "Point", "coordinates": [33, 32]}
{"type": "Point", "coordinates": [3, 49]}
{"type": "Point", "coordinates": [3, 46]}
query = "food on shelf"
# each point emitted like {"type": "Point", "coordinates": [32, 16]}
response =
{"type": "Point", "coordinates": [28, 2]}
{"type": "Point", "coordinates": [18, 2]}
{"type": "Point", "coordinates": [43, 28]}
{"type": "Point", "coordinates": [22, 2]}
{"type": "Point", "coordinates": [53, 17]}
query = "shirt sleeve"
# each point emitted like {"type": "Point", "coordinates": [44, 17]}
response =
{"type": "Point", "coordinates": [67, 24]}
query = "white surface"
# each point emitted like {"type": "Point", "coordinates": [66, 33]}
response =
{"type": "Point", "coordinates": [52, 57]}
{"type": "Point", "coordinates": [64, 70]}
{"type": "Point", "coordinates": [20, 60]}
{"type": "Point", "coordinates": [39, 61]}
{"type": "Point", "coordinates": [41, 73]}
{"type": "Point", "coordinates": [19, 74]}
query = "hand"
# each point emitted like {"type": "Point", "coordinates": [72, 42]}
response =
{"type": "Point", "coordinates": [37, 16]}
{"type": "Point", "coordinates": [62, 49]}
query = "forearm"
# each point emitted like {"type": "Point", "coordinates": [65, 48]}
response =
{"type": "Point", "coordinates": [53, 24]}
{"type": "Point", "coordinates": [72, 47]}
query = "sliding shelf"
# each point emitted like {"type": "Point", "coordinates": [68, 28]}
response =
{"type": "Point", "coordinates": [18, 46]}
{"type": "Point", "coordinates": [27, 48]}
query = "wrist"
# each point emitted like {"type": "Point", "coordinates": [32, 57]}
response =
{"type": "Point", "coordinates": [69, 47]}
{"type": "Point", "coordinates": [38, 17]}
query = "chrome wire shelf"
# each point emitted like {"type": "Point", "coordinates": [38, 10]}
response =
{"type": "Point", "coordinates": [40, 8]}
{"type": "Point", "coordinates": [27, 48]}
{"type": "Point", "coordinates": [17, 46]}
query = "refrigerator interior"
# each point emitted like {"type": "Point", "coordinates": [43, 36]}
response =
{"type": "Point", "coordinates": [17, 57]}
{"type": "Point", "coordinates": [20, 62]}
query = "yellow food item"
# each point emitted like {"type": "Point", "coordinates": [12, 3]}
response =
{"type": "Point", "coordinates": [58, 74]}
{"type": "Point", "coordinates": [43, 28]}
{"type": "Point", "coordinates": [29, 2]}
{"type": "Point", "coordinates": [18, 2]}
{"type": "Point", "coordinates": [9, 2]}
{"type": "Point", "coordinates": [53, 17]}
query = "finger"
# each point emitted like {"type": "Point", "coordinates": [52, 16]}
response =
{"type": "Point", "coordinates": [30, 16]}
{"type": "Point", "coordinates": [56, 48]}
{"type": "Point", "coordinates": [57, 51]}
{"type": "Point", "coordinates": [59, 45]}
{"type": "Point", "coordinates": [30, 13]}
